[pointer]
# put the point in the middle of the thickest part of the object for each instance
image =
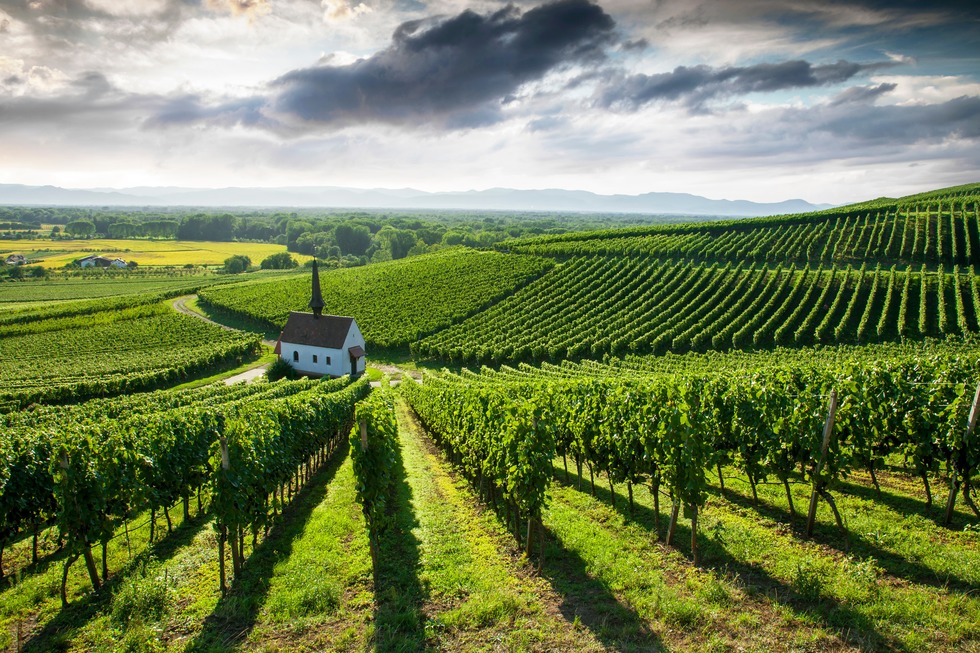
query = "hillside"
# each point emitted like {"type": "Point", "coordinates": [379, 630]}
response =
{"type": "Point", "coordinates": [886, 270]}
{"type": "Point", "coordinates": [609, 500]}
{"type": "Point", "coordinates": [394, 303]}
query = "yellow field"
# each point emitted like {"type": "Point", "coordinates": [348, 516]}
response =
{"type": "Point", "coordinates": [58, 253]}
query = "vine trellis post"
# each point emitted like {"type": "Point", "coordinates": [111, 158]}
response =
{"type": "Point", "coordinates": [223, 528]}
{"type": "Point", "coordinates": [373, 543]}
{"type": "Point", "coordinates": [954, 481]}
{"type": "Point", "coordinates": [828, 431]}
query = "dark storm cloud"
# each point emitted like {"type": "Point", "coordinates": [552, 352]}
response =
{"type": "Point", "coordinates": [696, 85]}
{"type": "Point", "coordinates": [456, 72]}
{"type": "Point", "coordinates": [187, 109]}
{"type": "Point", "coordinates": [863, 94]}
{"type": "Point", "coordinates": [898, 124]}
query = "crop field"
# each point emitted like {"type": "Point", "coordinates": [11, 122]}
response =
{"type": "Point", "coordinates": [158, 253]}
{"type": "Point", "coordinates": [756, 436]}
{"type": "Point", "coordinates": [110, 352]}
{"type": "Point", "coordinates": [394, 303]}
{"type": "Point", "coordinates": [36, 293]}
{"type": "Point", "coordinates": [449, 570]}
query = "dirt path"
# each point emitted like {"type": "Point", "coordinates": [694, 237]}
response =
{"type": "Point", "coordinates": [248, 375]}
{"type": "Point", "coordinates": [180, 305]}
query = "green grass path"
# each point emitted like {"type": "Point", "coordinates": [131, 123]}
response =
{"type": "Point", "coordinates": [450, 577]}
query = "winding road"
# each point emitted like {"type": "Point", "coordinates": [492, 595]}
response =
{"type": "Point", "coordinates": [180, 305]}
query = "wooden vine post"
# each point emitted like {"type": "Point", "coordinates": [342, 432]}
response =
{"type": "Point", "coordinates": [828, 431]}
{"type": "Point", "coordinates": [223, 528]}
{"type": "Point", "coordinates": [954, 481]}
{"type": "Point", "coordinates": [694, 504]}
{"type": "Point", "coordinates": [93, 572]}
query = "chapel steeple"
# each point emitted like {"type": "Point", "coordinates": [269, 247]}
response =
{"type": "Point", "coordinates": [316, 302]}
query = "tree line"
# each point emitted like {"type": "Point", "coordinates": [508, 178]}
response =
{"type": "Point", "coordinates": [347, 237]}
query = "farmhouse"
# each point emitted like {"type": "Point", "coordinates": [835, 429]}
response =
{"type": "Point", "coordinates": [101, 262]}
{"type": "Point", "coordinates": [321, 345]}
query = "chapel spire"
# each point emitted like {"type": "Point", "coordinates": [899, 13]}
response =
{"type": "Point", "coordinates": [316, 302]}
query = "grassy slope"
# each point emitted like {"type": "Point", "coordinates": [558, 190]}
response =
{"type": "Point", "coordinates": [395, 302]}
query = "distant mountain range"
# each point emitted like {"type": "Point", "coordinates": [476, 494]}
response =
{"type": "Point", "coordinates": [494, 199]}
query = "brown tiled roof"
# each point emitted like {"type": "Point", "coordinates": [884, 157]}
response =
{"type": "Point", "coordinates": [328, 331]}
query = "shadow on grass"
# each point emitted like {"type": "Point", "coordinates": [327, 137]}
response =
{"type": "Point", "coordinates": [849, 624]}
{"type": "Point", "coordinates": [55, 634]}
{"type": "Point", "coordinates": [235, 615]}
{"type": "Point", "coordinates": [912, 506]}
{"type": "Point", "coordinates": [861, 546]}
{"type": "Point", "coordinates": [902, 504]}
{"type": "Point", "coordinates": [45, 559]}
{"type": "Point", "coordinates": [399, 593]}
{"type": "Point", "coordinates": [588, 601]}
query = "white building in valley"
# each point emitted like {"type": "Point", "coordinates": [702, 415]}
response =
{"type": "Point", "coordinates": [321, 345]}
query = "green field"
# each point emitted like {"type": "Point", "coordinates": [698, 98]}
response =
{"type": "Point", "coordinates": [394, 303]}
{"type": "Point", "coordinates": [32, 294]}
{"type": "Point", "coordinates": [68, 359]}
{"type": "Point", "coordinates": [730, 436]}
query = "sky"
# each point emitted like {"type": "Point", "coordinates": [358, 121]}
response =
{"type": "Point", "coordinates": [761, 100]}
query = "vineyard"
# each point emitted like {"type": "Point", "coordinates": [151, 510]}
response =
{"type": "Point", "coordinates": [934, 229]}
{"type": "Point", "coordinates": [885, 271]}
{"type": "Point", "coordinates": [66, 359]}
{"type": "Point", "coordinates": [679, 429]}
{"type": "Point", "coordinates": [755, 435]}
{"type": "Point", "coordinates": [92, 468]}
{"type": "Point", "coordinates": [598, 306]}
{"type": "Point", "coordinates": [640, 423]}
{"type": "Point", "coordinates": [394, 303]}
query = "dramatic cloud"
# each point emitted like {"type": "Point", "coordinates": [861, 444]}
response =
{"type": "Point", "coordinates": [454, 73]}
{"type": "Point", "coordinates": [762, 99]}
{"type": "Point", "coordinates": [899, 125]}
{"type": "Point", "coordinates": [250, 8]}
{"type": "Point", "coordinates": [863, 94]}
{"type": "Point", "coordinates": [695, 86]}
